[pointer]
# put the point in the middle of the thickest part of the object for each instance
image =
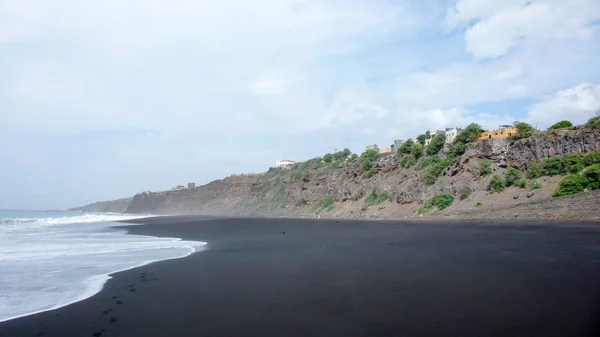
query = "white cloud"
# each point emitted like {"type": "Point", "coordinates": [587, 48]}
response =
{"type": "Point", "coordinates": [502, 25]}
{"type": "Point", "coordinates": [177, 66]}
{"type": "Point", "coordinates": [283, 78]}
{"type": "Point", "coordinates": [576, 104]}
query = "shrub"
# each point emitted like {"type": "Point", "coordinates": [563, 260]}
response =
{"type": "Point", "coordinates": [326, 201]}
{"type": "Point", "coordinates": [417, 151]}
{"type": "Point", "coordinates": [320, 165]}
{"type": "Point", "coordinates": [437, 143]}
{"type": "Point", "coordinates": [330, 208]}
{"type": "Point", "coordinates": [465, 192]}
{"type": "Point", "coordinates": [593, 122]}
{"type": "Point", "coordinates": [406, 148]}
{"type": "Point", "coordinates": [524, 130]}
{"type": "Point", "coordinates": [408, 161]}
{"type": "Point", "coordinates": [592, 174]}
{"type": "Point", "coordinates": [591, 158]}
{"type": "Point", "coordinates": [367, 159]}
{"type": "Point", "coordinates": [430, 174]}
{"type": "Point", "coordinates": [466, 135]}
{"type": "Point", "coordinates": [458, 149]}
{"type": "Point", "coordinates": [533, 184]}
{"type": "Point", "coordinates": [346, 152]}
{"type": "Point", "coordinates": [522, 183]}
{"type": "Point", "coordinates": [513, 175]}
{"type": "Point", "coordinates": [370, 173]}
{"type": "Point", "coordinates": [571, 184]}
{"type": "Point", "coordinates": [421, 140]}
{"type": "Point", "coordinates": [375, 198]}
{"type": "Point", "coordinates": [478, 204]}
{"type": "Point", "coordinates": [560, 125]}
{"type": "Point", "coordinates": [552, 166]}
{"type": "Point", "coordinates": [439, 200]}
{"type": "Point", "coordinates": [430, 161]}
{"type": "Point", "coordinates": [496, 184]}
{"type": "Point", "coordinates": [485, 167]}
{"type": "Point", "coordinates": [572, 163]}
{"type": "Point", "coordinates": [534, 170]}
{"type": "Point", "coordinates": [306, 177]}
{"type": "Point", "coordinates": [328, 158]}
{"type": "Point", "coordinates": [339, 156]}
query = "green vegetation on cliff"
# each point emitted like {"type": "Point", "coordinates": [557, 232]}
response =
{"type": "Point", "coordinates": [439, 200]}
{"type": "Point", "coordinates": [437, 143]}
{"type": "Point", "coordinates": [497, 184]}
{"type": "Point", "coordinates": [560, 125]}
{"type": "Point", "coordinates": [375, 198]}
{"type": "Point", "coordinates": [485, 167]}
{"type": "Point", "coordinates": [524, 130]}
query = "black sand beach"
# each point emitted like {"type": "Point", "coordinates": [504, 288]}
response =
{"type": "Point", "coordinates": [348, 278]}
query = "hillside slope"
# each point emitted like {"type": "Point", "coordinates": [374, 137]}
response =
{"type": "Point", "coordinates": [114, 206]}
{"type": "Point", "coordinates": [394, 192]}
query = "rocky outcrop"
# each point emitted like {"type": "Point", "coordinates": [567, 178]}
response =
{"type": "Point", "coordinates": [279, 192]}
{"type": "Point", "coordinates": [519, 152]}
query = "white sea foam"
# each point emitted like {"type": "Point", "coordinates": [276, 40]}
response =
{"type": "Point", "coordinates": [49, 260]}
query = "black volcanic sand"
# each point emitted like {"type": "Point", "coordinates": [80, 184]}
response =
{"type": "Point", "coordinates": [348, 278]}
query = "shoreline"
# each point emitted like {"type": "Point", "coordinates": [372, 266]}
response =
{"type": "Point", "coordinates": [95, 284]}
{"type": "Point", "coordinates": [252, 277]}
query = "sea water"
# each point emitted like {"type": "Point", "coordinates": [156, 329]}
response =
{"type": "Point", "coordinates": [51, 259]}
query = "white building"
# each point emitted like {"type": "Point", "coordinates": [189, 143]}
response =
{"type": "Point", "coordinates": [285, 163]}
{"type": "Point", "coordinates": [451, 134]}
{"type": "Point", "coordinates": [373, 147]}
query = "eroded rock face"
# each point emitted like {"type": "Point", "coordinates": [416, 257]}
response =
{"type": "Point", "coordinates": [519, 152]}
{"type": "Point", "coordinates": [243, 194]}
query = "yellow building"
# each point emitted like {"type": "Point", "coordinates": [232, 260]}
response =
{"type": "Point", "coordinates": [503, 132]}
{"type": "Point", "coordinates": [385, 150]}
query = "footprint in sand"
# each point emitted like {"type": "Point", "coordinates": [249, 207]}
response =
{"type": "Point", "coordinates": [119, 302]}
{"type": "Point", "coordinates": [107, 311]}
{"type": "Point", "coordinates": [112, 320]}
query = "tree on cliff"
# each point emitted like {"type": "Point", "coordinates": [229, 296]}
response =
{"type": "Point", "coordinates": [406, 148]}
{"type": "Point", "coordinates": [436, 144]}
{"type": "Point", "coordinates": [421, 140]}
{"type": "Point", "coordinates": [524, 130]}
{"type": "Point", "coordinates": [367, 159]}
{"type": "Point", "coordinates": [417, 150]}
{"type": "Point", "coordinates": [560, 125]}
{"type": "Point", "coordinates": [466, 135]}
{"type": "Point", "coordinates": [328, 158]}
{"type": "Point", "coordinates": [459, 147]}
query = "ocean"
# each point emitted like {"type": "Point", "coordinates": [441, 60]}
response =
{"type": "Point", "coordinates": [49, 259]}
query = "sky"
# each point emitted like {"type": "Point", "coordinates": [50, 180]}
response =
{"type": "Point", "coordinates": [103, 99]}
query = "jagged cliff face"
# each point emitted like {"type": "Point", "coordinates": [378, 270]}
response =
{"type": "Point", "coordinates": [510, 152]}
{"type": "Point", "coordinates": [276, 192]}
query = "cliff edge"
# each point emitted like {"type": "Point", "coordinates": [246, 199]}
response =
{"type": "Point", "coordinates": [398, 188]}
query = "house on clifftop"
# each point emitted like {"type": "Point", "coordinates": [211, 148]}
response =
{"type": "Point", "coordinates": [284, 164]}
{"type": "Point", "coordinates": [502, 132]}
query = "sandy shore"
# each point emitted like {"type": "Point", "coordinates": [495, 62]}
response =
{"type": "Point", "coordinates": [347, 278]}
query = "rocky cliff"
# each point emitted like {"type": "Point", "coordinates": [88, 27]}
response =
{"type": "Point", "coordinates": [296, 192]}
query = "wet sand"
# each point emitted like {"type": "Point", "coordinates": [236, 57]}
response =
{"type": "Point", "coordinates": [281, 277]}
